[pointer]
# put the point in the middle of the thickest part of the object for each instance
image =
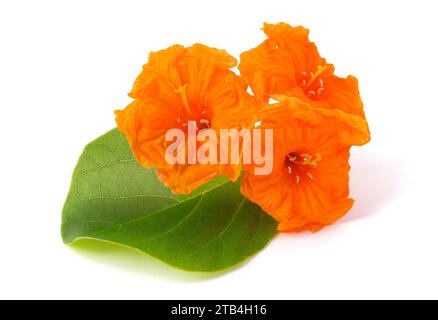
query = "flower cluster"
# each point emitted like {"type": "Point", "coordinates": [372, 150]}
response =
{"type": "Point", "coordinates": [316, 118]}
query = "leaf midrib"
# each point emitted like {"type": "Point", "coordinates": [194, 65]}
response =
{"type": "Point", "coordinates": [153, 213]}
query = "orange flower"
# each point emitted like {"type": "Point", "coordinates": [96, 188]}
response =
{"type": "Point", "coordinates": [288, 63]}
{"type": "Point", "coordinates": [178, 85]}
{"type": "Point", "coordinates": [308, 187]}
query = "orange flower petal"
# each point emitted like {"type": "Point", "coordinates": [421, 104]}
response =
{"type": "Point", "coordinates": [309, 185]}
{"type": "Point", "coordinates": [287, 63]}
{"type": "Point", "coordinates": [178, 85]}
{"type": "Point", "coordinates": [352, 129]}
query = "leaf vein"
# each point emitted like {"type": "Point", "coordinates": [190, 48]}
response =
{"type": "Point", "coordinates": [87, 171]}
{"type": "Point", "coordinates": [129, 197]}
{"type": "Point", "coordinates": [222, 232]}
{"type": "Point", "coordinates": [259, 225]}
{"type": "Point", "coordinates": [182, 220]}
{"type": "Point", "coordinates": [152, 213]}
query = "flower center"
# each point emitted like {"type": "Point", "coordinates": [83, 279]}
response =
{"type": "Point", "coordinates": [300, 165]}
{"type": "Point", "coordinates": [201, 122]}
{"type": "Point", "coordinates": [312, 83]}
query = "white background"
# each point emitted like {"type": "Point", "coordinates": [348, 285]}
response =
{"type": "Point", "coordinates": [66, 65]}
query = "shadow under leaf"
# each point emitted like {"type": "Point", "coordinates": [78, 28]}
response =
{"type": "Point", "coordinates": [132, 260]}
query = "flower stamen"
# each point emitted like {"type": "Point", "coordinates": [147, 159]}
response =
{"type": "Point", "coordinates": [309, 160]}
{"type": "Point", "coordinates": [301, 164]}
{"type": "Point", "coordinates": [307, 83]}
{"type": "Point", "coordinates": [204, 124]}
{"type": "Point", "coordinates": [313, 76]}
{"type": "Point", "coordinates": [182, 92]}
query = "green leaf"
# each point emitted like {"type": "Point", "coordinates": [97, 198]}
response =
{"type": "Point", "coordinates": [114, 199]}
